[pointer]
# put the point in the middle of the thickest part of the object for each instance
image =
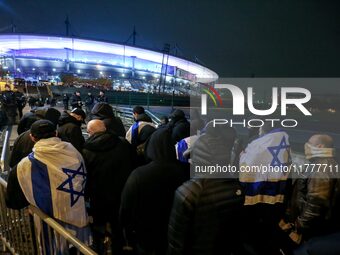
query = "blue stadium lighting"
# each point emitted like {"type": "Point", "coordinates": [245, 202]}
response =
{"type": "Point", "coordinates": [52, 48]}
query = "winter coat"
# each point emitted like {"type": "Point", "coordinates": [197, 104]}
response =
{"type": "Point", "coordinates": [148, 195]}
{"type": "Point", "coordinates": [145, 130]}
{"type": "Point", "coordinates": [109, 162]}
{"type": "Point", "coordinates": [89, 101]}
{"type": "Point", "coordinates": [205, 218]}
{"type": "Point", "coordinates": [70, 131]}
{"type": "Point", "coordinates": [9, 103]}
{"type": "Point", "coordinates": [180, 126]}
{"type": "Point", "coordinates": [76, 101]}
{"type": "Point", "coordinates": [103, 99]}
{"type": "Point", "coordinates": [36, 114]}
{"type": "Point", "coordinates": [317, 199]}
{"type": "Point", "coordinates": [104, 112]}
{"type": "Point", "coordinates": [22, 146]}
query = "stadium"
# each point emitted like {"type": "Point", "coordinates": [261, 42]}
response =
{"type": "Point", "coordinates": [39, 58]}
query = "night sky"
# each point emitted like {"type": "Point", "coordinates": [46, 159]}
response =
{"type": "Point", "coordinates": [235, 38]}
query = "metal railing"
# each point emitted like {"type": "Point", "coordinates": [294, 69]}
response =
{"type": "Point", "coordinates": [4, 138]}
{"type": "Point", "coordinates": [21, 230]}
{"type": "Point", "coordinates": [126, 115]}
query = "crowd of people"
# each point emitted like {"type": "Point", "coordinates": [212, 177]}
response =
{"type": "Point", "coordinates": [12, 105]}
{"type": "Point", "coordinates": [138, 186]}
{"type": "Point", "coordinates": [90, 100]}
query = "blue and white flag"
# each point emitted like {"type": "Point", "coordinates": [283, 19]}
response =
{"type": "Point", "coordinates": [264, 168]}
{"type": "Point", "coordinates": [53, 178]}
{"type": "Point", "coordinates": [183, 148]}
{"type": "Point", "coordinates": [133, 132]}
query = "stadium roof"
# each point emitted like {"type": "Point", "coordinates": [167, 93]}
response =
{"type": "Point", "coordinates": [10, 42]}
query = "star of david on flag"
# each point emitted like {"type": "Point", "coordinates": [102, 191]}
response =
{"type": "Point", "coordinates": [275, 151]}
{"type": "Point", "coordinates": [68, 185]}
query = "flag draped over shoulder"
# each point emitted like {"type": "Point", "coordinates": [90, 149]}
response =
{"type": "Point", "coordinates": [134, 130]}
{"type": "Point", "coordinates": [184, 146]}
{"type": "Point", "coordinates": [263, 168]}
{"type": "Point", "coordinates": [53, 178]}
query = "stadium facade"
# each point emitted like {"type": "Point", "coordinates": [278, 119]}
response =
{"type": "Point", "coordinates": [41, 57]}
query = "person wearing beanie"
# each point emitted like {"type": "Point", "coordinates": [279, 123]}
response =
{"type": "Point", "coordinates": [180, 126]}
{"type": "Point", "coordinates": [70, 128]}
{"type": "Point", "coordinates": [23, 144]}
{"type": "Point", "coordinates": [103, 111]}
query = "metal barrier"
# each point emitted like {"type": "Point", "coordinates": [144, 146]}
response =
{"type": "Point", "coordinates": [19, 229]}
{"type": "Point", "coordinates": [126, 115]}
{"type": "Point", "coordinates": [5, 135]}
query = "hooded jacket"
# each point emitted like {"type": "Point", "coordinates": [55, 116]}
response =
{"type": "Point", "coordinates": [23, 144]}
{"type": "Point", "coordinates": [70, 131]}
{"type": "Point", "coordinates": [35, 114]}
{"type": "Point", "coordinates": [9, 102]}
{"type": "Point", "coordinates": [76, 101]}
{"type": "Point", "coordinates": [144, 128]}
{"type": "Point", "coordinates": [205, 217]}
{"type": "Point", "coordinates": [317, 199]}
{"type": "Point", "coordinates": [180, 126]}
{"type": "Point", "coordinates": [104, 112]}
{"type": "Point", "coordinates": [148, 194]}
{"type": "Point", "coordinates": [109, 162]}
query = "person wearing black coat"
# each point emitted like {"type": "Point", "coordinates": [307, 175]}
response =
{"type": "Point", "coordinates": [9, 104]}
{"type": "Point", "coordinates": [89, 102]}
{"type": "Point", "coordinates": [109, 161]}
{"type": "Point", "coordinates": [32, 101]}
{"type": "Point", "coordinates": [70, 128]}
{"type": "Point", "coordinates": [23, 144]}
{"type": "Point", "coordinates": [142, 129]}
{"type": "Point", "coordinates": [148, 194]}
{"type": "Point", "coordinates": [101, 97]}
{"type": "Point", "coordinates": [30, 117]}
{"type": "Point", "coordinates": [206, 213]}
{"type": "Point", "coordinates": [66, 99]}
{"type": "Point", "coordinates": [139, 133]}
{"type": "Point", "coordinates": [104, 112]}
{"type": "Point", "coordinates": [180, 126]}
{"type": "Point", "coordinates": [76, 101]}
{"type": "Point", "coordinates": [21, 102]}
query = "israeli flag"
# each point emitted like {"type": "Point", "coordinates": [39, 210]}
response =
{"type": "Point", "coordinates": [53, 178]}
{"type": "Point", "coordinates": [183, 148]}
{"type": "Point", "coordinates": [133, 132]}
{"type": "Point", "coordinates": [264, 168]}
